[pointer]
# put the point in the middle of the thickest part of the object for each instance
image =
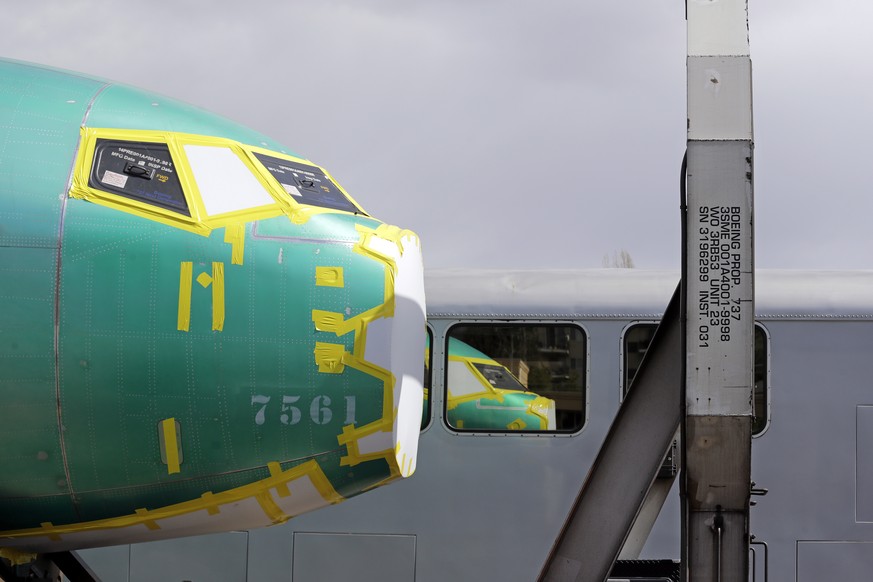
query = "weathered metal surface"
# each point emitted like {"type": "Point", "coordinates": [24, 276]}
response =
{"type": "Point", "coordinates": [626, 465]}
{"type": "Point", "coordinates": [719, 294]}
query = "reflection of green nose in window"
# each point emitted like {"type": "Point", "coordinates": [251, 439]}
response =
{"type": "Point", "coordinates": [498, 376]}
{"type": "Point", "coordinates": [516, 377]}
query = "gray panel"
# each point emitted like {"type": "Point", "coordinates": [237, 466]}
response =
{"type": "Point", "coordinates": [720, 280]}
{"type": "Point", "coordinates": [718, 450]}
{"type": "Point", "coordinates": [817, 561]}
{"type": "Point", "coordinates": [270, 553]}
{"type": "Point", "coordinates": [108, 564]}
{"type": "Point", "coordinates": [864, 473]}
{"type": "Point", "coordinates": [709, 549]}
{"type": "Point", "coordinates": [361, 557]}
{"type": "Point", "coordinates": [216, 558]}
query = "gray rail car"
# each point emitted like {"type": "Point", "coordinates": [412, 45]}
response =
{"type": "Point", "coordinates": [487, 500]}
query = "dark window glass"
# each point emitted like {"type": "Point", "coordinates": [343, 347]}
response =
{"type": "Point", "coordinates": [140, 171]}
{"type": "Point", "coordinates": [498, 376]}
{"type": "Point", "coordinates": [306, 184]}
{"type": "Point", "coordinates": [428, 372]}
{"type": "Point", "coordinates": [636, 342]}
{"type": "Point", "coordinates": [515, 377]}
{"type": "Point", "coordinates": [761, 388]}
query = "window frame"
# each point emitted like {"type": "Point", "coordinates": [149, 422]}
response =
{"type": "Point", "coordinates": [427, 381]}
{"type": "Point", "coordinates": [198, 220]}
{"type": "Point", "coordinates": [768, 385]}
{"type": "Point", "coordinates": [478, 322]}
{"type": "Point", "coordinates": [622, 389]}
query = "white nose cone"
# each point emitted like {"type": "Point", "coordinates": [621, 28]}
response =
{"type": "Point", "coordinates": [407, 354]}
{"type": "Point", "coordinates": [396, 343]}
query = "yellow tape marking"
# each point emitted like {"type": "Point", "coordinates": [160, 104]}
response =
{"type": "Point", "coordinates": [349, 438]}
{"type": "Point", "coordinates": [47, 525]}
{"type": "Point", "coordinates": [329, 277]}
{"type": "Point", "coordinates": [539, 407]}
{"type": "Point", "coordinates": [273, 511]}
{"type": "Point", "coordinates": [326, 321]}
{"type": "Point", "coordinates": [217, 296]}
{"type": "Point", "coordinates": [351, 434]}
{"type": "Point", "coordinates": [334, 322]}
{"type": "Point", "coordinates": [186, 270]}
{"type": "Point", "coordinates": [185, 283]}
{"type": "Point", "coordinates": [310, 469]}
{"type": "Point", "coordinates": [282, 488]}
{"type": "Point", "coordinates": [517, 424]}
{"type": "Point", "coordinates": [211, 505]}
{"type": "Point", "coordinates": [329, 321]}
{"type": "Point", "coordinates": [198, 221]}
{"type": "Point", "coordinates": [171, 445]}
{"type": "Point", "coordinates": [235, 234]}
{"type": "Point", "coordinates": [329, 357]}
{"type": "Point", "coordinates": [149, 523]}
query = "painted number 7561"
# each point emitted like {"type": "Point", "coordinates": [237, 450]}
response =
{"type": "Point", "coordinates": [290, 413]}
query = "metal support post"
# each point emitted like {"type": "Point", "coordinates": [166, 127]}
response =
{"type": "Point", "coordinates": [718, 275]}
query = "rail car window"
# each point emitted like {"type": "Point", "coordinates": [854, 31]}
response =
{"type": "Point", "coordinates": [141, 171]}
{"type": "Point", "coordinates": [428, 372]}
{"type": "Point", "coordinates": [761, 387]}
{"type": "Point", "coordinates": [515, 377]}
{"type": "Point", "coordinates": [636, 342]}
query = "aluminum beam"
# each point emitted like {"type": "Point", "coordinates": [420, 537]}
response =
{"type": "Point", "coordinates": [650, 510]}
{"type": "Point", "coordinates": [718, 274]}
{"type": "Point", "coordinates": [628, 461]}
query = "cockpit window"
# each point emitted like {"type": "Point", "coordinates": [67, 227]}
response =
{"type": "Point", "coordinates": [199, 183]}
{"type": "Point", "coordinates": [140, 171]}
{"type": "Point", "coordinates": [306, 184]}
{"type": "Point", "coordinates": [499, 377]}
{"type": "Point", "coordinates": [225, 183]}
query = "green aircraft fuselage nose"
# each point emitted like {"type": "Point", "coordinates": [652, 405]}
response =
{"type": "Point", "coordinates": [200, 331]}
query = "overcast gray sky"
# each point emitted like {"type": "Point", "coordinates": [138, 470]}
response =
{"type": "Point", "coordinates": [507, 133]}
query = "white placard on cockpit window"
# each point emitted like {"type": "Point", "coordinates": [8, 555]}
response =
{"type": "Point", "coordinates": [226, 184]}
